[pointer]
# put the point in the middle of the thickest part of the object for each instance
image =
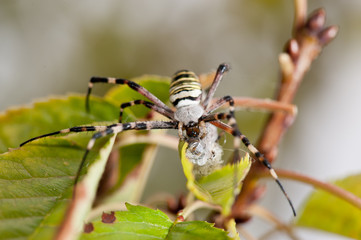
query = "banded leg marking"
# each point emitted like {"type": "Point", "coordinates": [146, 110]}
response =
{"type": "Point", "coordinates": [220, 102]}
{"type": "Point", "coordinates": [119, 127]}
{"type": "Point", "coordinates": [167, 111]}
{"type": "Point", "coordinates": [143, 102]}
{"type": "Point", "coordinates": [217, 79]}
{"type": "Point", "coordinates": [67, 130]}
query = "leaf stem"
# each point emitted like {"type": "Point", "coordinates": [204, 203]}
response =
{"type": "Point", "coordinates": [268, 216]}
{"type": "Point", "coordinates": [186, 212]}
{"type": "Point", "coordinates": [164, 140]}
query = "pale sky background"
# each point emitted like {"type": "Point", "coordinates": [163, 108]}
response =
{"type": "Point", "coordinates": [53, 48]}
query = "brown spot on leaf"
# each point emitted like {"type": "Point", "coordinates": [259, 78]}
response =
{"type": "Point", "coordinates": [108, 218]}
{"type": "Point", "coordinates": [88, 227]}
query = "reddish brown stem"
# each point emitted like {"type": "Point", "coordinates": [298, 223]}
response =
{"type": "Point", "coordinates": [295, 62]}
{"type": "Point", "coordinates": [309, 37]}
{"type": "Point", "coordinates": [300, 14]}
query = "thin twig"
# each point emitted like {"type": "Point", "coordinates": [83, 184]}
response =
{"type": "Point", "coordinates": [263, 213]}
{"type": "Point", "coordinates": [265, 104]}
{"type": "Point", "coordinates": [300, 14]}
{"type": "Point", "coordinates": [186, 212]}
{"type": "Point", "coordinates": [244, 233]}
{"type": "Point", "coordinates": [164, 140]}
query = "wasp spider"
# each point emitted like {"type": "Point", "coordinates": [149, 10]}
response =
{"type": "Point", "coordinates": [193, 117]}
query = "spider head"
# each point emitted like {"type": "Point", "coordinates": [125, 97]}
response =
{"type": "Point", "coordinates": [192, 129]}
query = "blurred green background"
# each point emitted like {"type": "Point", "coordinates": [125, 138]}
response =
{"type": "Point", "coordinates": [54, 47]}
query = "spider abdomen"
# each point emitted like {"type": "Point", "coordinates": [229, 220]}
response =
{"type": "Point", "coordinates": [185, 89]}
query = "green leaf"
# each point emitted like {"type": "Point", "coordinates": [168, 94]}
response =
{"type": "Point", "coordinates": [196, 230]}
{"type": "Point", "coordinates": [136, 223]}
{"type": "Point", "coordinates": [326, 212]}
{"type": "Point", "coordinates": [21, 124]}
{"type": "Point", "coordinates": [143, 223]}
{"type": "Point", "coordinates": [36, 182]}
{"type": "Point", "coordinates": [219, 187]}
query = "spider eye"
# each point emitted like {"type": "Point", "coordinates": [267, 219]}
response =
{"type": "Point", "coordinates": [192, 131]}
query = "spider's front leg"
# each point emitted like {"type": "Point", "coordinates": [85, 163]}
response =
{"type": "Point", "coordinates": [222, 68]}
{"type": "Point", "coordinates": [133, 85]}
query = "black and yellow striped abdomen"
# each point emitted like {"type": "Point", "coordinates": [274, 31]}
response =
{"type": "Point", "coordinates": [185, 89]}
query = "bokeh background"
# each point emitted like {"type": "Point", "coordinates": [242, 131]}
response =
{"type": "Point", "coordinates": [53, 47]}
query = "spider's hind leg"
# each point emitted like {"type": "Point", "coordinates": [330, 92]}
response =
{"type": "Point", "coordinates": [230, 117]}
{"type": "Point", "coordinates": [238, 138]}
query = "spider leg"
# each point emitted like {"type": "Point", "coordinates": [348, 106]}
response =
{"type": "Point", "coordinates": [217, 79]}
{"type": "Point", "coordinates": [67, 130]}
{"type": "Point", "coordinates": [238, 136]}
{"type": "Point", "coordinates": [120, 127]}
{"type": "Point", "coordinates": [255, 103]}
{"type": "Point", "coordinates": [146, 104]}
{"type": "Point", "coordinates": [167, 111]}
